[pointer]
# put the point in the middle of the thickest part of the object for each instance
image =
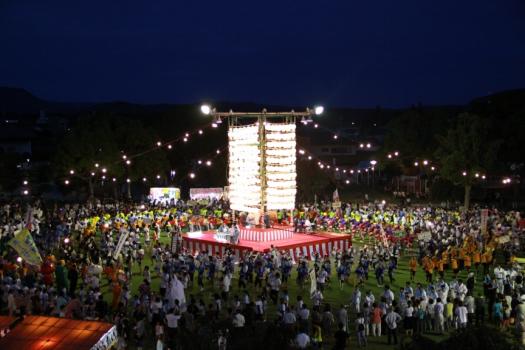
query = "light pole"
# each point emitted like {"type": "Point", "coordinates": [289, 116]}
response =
{"type": "Point", "coordinates": [373, 163]}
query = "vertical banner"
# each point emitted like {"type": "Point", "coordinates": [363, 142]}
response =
{"type": "Point", "coordinates": [313, 281]}
{"type": "Point", "coordinates": [484, 220]}
{"type": "Point", "coordinates": [121, 241]}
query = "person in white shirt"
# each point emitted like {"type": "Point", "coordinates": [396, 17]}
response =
{"type": "Point", "coordinates": [303, 313]}
{"type": "Point", "coordinates": [389, 295]}
{"type": "Point", "coordinates": [321, 279]}
{"type": "Point", "coordinates": [369, 298]}
{"type": "Point", "coordinates": [172, 322]}
{"type": "Point", "coordinates": [461, 290]}
{"type": "Point", "coordinates": [470, 304]}
{"type": "Point", "coordinates": [226, 284]}
{"type": "Point", "coordinates": [289, 319]}
{"type": "Point", "coordinates": [462, 316]}
{"type": "Point", "coordinates": [391, 320]}
{"type": "Point", "coordinates": [409, 318]}
{"type": "Point", "coordinates": [356, 300]}
{"type": "Point", "coordinates": [439, 316]}
{"type": "Point", "coordinates": [317, 297]}
{"type": "Point", "coordinates": [302, 340]}
{"type": "Point", "coordinates": [238, 320]}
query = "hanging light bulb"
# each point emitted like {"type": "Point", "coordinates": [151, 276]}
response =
{"type": "Point", "coordinates": [192, 175]}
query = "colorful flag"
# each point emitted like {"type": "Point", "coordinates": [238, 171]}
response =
{"type": "Point", "coordinates": [25, 247]}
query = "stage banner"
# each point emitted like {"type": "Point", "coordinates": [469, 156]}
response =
{"type": "Point", "coordinates": [206, 193]}
{"type": "Point", "coordinates": [313, 282]}
{"type": "Point", "coordinates": [164, 194]}
{"type": "Point", "coordinates": [120, 244]}
{"type": "Point", "coordinates": [25, 246]}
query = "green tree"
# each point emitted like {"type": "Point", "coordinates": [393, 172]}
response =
{"type": "Point", "coordinates": [89, 142]}
{"type": "Point", "coordinates": [467, 150]}
{"type": "Point", "coordinates": [103, 139]}
{"type": "Point", "coordinates": [139, 144]}
{"type": "Point", "coordinates": [312, 181]}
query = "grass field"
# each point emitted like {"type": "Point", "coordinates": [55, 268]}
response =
{"type": "Point", "coordinates": [332, 295]}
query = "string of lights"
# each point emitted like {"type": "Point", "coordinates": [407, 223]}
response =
{"type": "Point", "coordinates": [335, 171]}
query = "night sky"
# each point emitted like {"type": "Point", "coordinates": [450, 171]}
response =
{"type": "Point", "coordinates": [339, 53]}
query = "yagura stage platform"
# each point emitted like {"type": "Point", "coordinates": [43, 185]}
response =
{"type": "Point", "coordinates": [296, 244]}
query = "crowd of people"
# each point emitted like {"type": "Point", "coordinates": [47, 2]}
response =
{"type": "Point", "coordinates": [123, 263]}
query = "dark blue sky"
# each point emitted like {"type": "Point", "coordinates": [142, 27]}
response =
{"type": "Point", "coordinates": [340, 53]}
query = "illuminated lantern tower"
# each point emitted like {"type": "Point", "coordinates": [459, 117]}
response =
{"type": "Point", "coordinates": [262, 158]}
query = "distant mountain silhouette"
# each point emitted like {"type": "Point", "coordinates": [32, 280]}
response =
{"type": "Point", "coordinates": [20, 101]}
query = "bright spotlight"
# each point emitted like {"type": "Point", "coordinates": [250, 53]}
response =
{"type": "Point", "coordinates": [319, 110]}
{"type": "Point", "coordinates": [206, 109]}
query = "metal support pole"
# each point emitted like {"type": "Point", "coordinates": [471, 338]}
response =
{"type": "Point", "coordinates": [262, 166]}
